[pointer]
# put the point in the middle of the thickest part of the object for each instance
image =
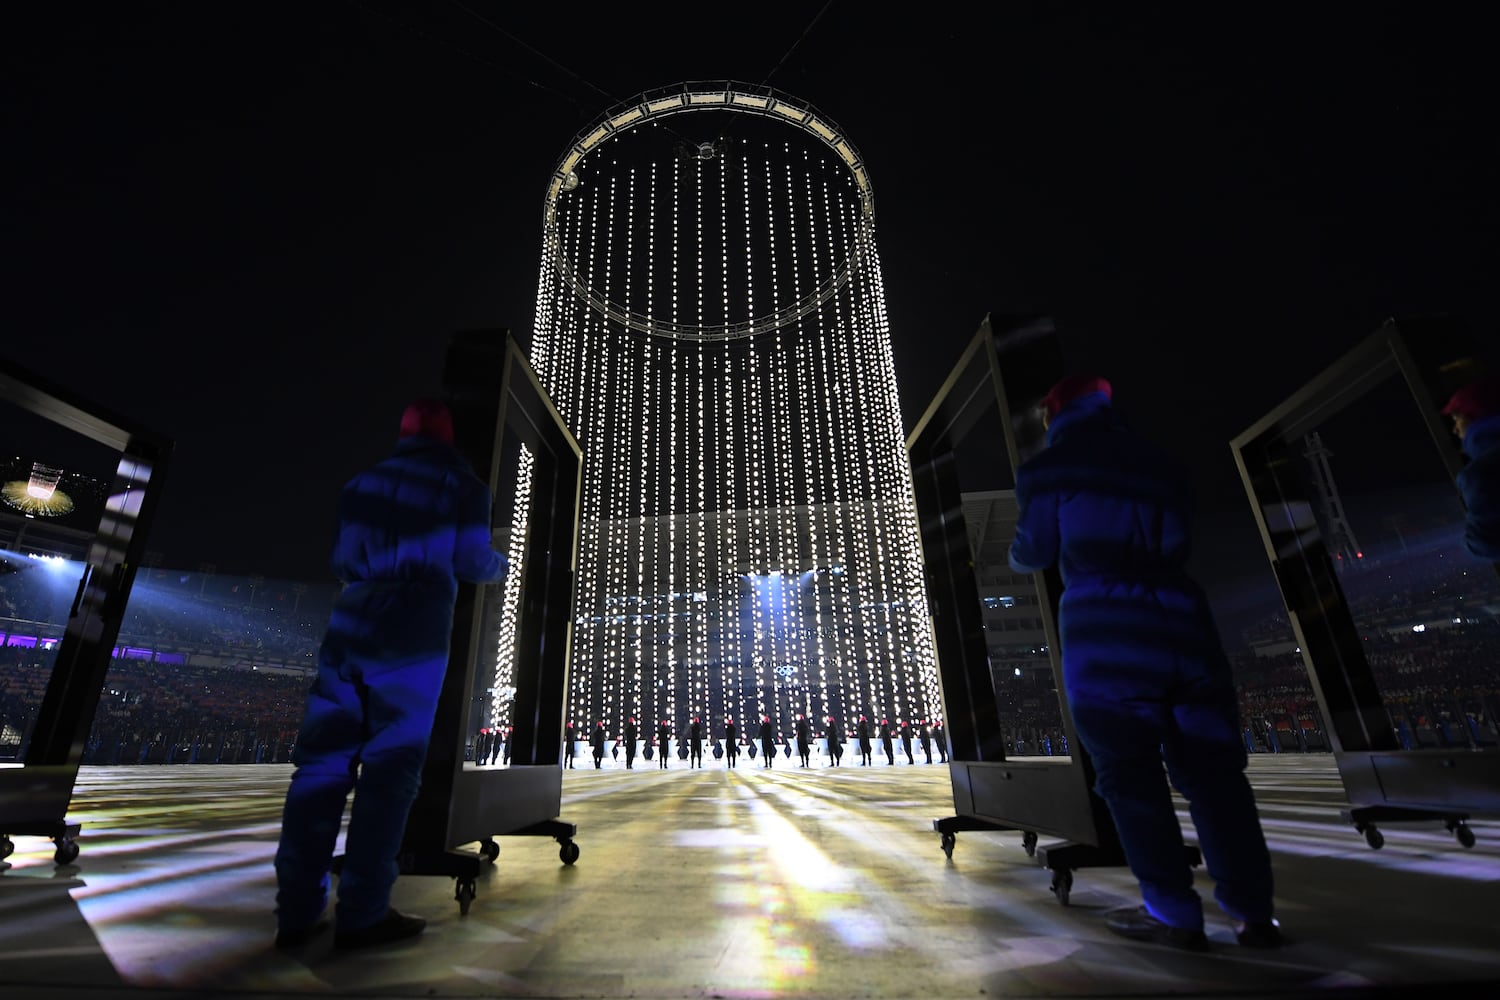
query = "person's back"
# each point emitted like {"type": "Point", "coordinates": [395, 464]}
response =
{"type": "Point", "coordinates": [1144, 669]}
{"type": "Point", "coordinates": [1475, 409]}
{"type": "Point", "coordinates": [409, 528]}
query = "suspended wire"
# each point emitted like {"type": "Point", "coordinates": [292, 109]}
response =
{"type": "Point", "coordinates": [506, 71]}
{"type": "Point", "coordinates": [533, 50]}
{"type": "Point", "coordinates": [724, 133]}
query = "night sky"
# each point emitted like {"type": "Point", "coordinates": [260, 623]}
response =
{"type": "Point", "coordinates": [252, 227]}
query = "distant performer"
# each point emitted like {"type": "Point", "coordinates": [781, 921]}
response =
{"type": "Point", "coordinates": [632, 733]}
{"type": "Point", "coordinates": [804, 740]}
{"type": "Point", "coordinates": [573, 737]}
{"type": "Point", "coordinates": [695, 742]}
{"type": "Point", "coordinates": [887, 742]}
{"type": "Point", "coordinates": [1475, 410]}
{"type": "Point", "coordinates": [924, 736]}
{"type": "Point", "coordinates": [835, 734]}
{"type": "Point", "coordinates": [597, 739]}
{"type": "Point", "coordinates": [409, 528]}
{"type": "Point", "coordinates": [767, 740]}
{"type": "Point", "coordinates": [906, 741]}
{"type": "Point", "coordinates": [862, 735]}
{"type": "Point", "coordinates": [940, 737]}
{"type": "Point", "coordinates": [663, 740]}
{"type": "Point", "coordinates": [731, 743]}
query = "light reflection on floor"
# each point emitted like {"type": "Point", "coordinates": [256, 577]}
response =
{"type": "Point", "coordinates": [746, 883]}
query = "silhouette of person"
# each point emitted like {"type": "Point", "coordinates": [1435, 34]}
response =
{"type": "Point", "coordinates": [504, 747]}
{"type": "Point", "coordinates": [597, 739]}
{"type": "Point", "coordinates": [632, 733]}
{"type": "Point", "coordinates": [663, 741]}
{"type": "Point", "coordinates": [924, 737]}
{"type": "Point", "coordinates": [804, 740]}
{"type": "Point", "coordinates": [835, 741]}
{"type": "Point", "coordinates": [941, 739]}
{"type": "Point", "coordinates": [887, 742]}
{"type": "Point", "coordinates": [731, 742]}
{"type": "Point", "coordinates": [767, 740]}
{"type": "Point", "coordinates": [695, 742]}
{"type": "Point", "coordinates": [1143, 666]}
{"type": "Point", "coordinates": [574, 737]}
{"type": "Point", "coordinates": [906, 741]}
{"type": "Point", "coordinates": [409, 529]}
{"type": "Point", "coordinates": [862, 734]}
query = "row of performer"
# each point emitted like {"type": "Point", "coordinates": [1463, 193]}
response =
{"type": "Point", "coordinates": [492, 745]}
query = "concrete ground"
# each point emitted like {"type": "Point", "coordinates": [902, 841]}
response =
{"type": "Point", "coordinates": [736, 884]}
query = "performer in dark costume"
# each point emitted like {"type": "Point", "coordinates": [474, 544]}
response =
{"type": "Point", "coordinates": [804, 740]}
{"type": "Point", "coordinates": [1475, 410]}
{"type": "Point", "coordinates": [940, 737]}
{"type": "Point", "coordinates": [835, 741]}
{"type": "Point", "coordinates": [887, 742]}
{"type": "Point", "coordinates": [924, 736]}
{"type": "Point", "coordinates": [767, 740]}
{"type": "Point", "coordinates": [906, 741]}
{"type": "Point", "coordinates": [862, 734]}
{"type": "Point", "coordinates": [663, 741]}
{"type": "Point", "coordinates": [731, 742]}
{"type": "Point", "coordinates": [632, 733]}
{"type": "Point", "coordinates": [695, 742]}
{"type": "Point", "coordinates": [597, 739]}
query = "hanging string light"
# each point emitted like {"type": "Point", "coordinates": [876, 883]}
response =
{"type": "Point", "coordinates": [747, 535]}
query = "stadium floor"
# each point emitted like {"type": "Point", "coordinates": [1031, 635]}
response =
{"type": "Point", "coordinates": [712, 883]}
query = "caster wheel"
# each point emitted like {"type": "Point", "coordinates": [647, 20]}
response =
{"type": "Point", "coordinates": [7, 847]}
{"type": "Point", "coordinates": [66, 851]}
{"type": "Point", "coordinates": [465, 892]}
{"type": "Point", "coordinates": [1062, 884]}
{"type": "Point", "coordinates": [489, 850]}
{"type": "Point", "coordinates": [1464, 834]}
{"type": "Point", "coordinates": [568, 852]}
{"type": "Point", "coordinates": [948, 841]}
{"type": "Point", "coordinates": [1374, 837]}
{"type": "Point", "coordinates": [1028, 842]}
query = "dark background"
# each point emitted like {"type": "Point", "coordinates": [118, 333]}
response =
{"type": "Point", "coordinates": [252, 227]}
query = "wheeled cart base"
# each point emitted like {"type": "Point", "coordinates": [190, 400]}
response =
{"type": "Point", "coordinates": [465, 867]}
{"type": "Point", "coordinates": [61, 833]}
{"type": "Point", "coordinates": [1365, 817]}
{"type": "Point", "coordinates": [1061, 858]}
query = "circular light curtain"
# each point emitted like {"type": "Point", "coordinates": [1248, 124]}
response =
{"type": "Point", "coordinates": [711, 325]}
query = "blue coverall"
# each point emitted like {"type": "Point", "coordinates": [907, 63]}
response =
{"type": "Point", "coordinates": [1479, 485]}
{"type": "Point", "coordinates": [409, 528]}
{"type": "Point", "coordinates": [1143, 668]}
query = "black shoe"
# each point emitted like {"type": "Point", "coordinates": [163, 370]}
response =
{"type": "Point", "coordinates": [392, 927]}
{"type": "Point", "coordinates": [1258, 933]}
{"type": "Point", "coordinates": [1137, 923]}
{"type": "Point", "coordinates": [296, 937]}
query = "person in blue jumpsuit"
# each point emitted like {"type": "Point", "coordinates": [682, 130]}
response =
{"type": "Point", "coordinates": [1145, 673]}
{"type": "Point", "coordinates": [1475, 410]}
{"type": "Point", "coordinates": [409, 529]}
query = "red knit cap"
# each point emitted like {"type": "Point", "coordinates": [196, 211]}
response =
{"type": "Point", "coordinates": [1071, 387]}
{"type": "Point", "coordinates": [1477, 400]}
{"type": "Point", "coordinates": [427, 417]}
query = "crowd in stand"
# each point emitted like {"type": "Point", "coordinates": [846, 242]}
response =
{"type": "Point", "coordinates": [1438, 683]}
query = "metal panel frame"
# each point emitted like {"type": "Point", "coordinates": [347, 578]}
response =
{"type": "Point", "coordinates": [34, 797]}
{"type": "Point", "coordinates": [1432, 357]}
{"type": "Point", "coordinates": [1007, 368]}
{"type": "Point", "coordinates": [494, 393]}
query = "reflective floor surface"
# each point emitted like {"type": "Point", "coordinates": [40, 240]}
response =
{"type": "Point", "coordinates": [735, 884]}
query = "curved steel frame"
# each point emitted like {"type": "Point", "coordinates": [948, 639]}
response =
{"type": "Point", "coordinates": [740, 98]}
